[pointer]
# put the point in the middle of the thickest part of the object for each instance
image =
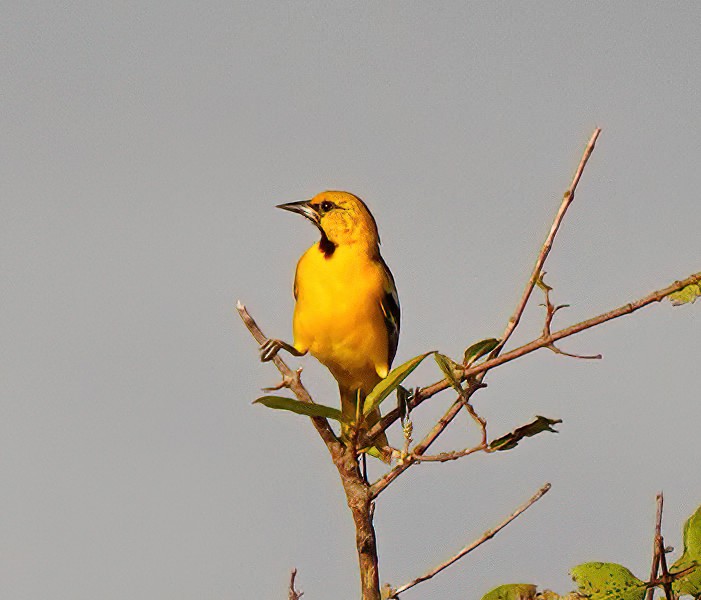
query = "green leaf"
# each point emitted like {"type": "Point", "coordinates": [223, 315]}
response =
{"type": "Point", "coordinates": [512, 591]}
{"type": "Point", "coordinates": [301, 408]}
{"type": "Point", "coordinates": [385, 387]}
{"type": "Point", "coordinates": [691, 582]}
{"type": "Point", "coordinates": [686, 295]}
{"type": "Point", "coordinates": [452, 370]}
{"type": "Point", "coordinates": [510, 440]}
{"type": "Point", "coordinates": [479, 349]}
{"type": "Point", "coordinates": [608, 581]}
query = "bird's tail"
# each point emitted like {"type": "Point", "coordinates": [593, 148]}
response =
{"type": "Point", "coordinates": [350, 401]}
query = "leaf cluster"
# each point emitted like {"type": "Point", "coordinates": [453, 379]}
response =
{"type": "Point", "coordinates": [611, 581]}
{"type": "Point", "coordinates": [454, 374]}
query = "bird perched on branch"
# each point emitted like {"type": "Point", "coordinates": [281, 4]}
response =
{"type": "Point", "coordinates": [347, 310]}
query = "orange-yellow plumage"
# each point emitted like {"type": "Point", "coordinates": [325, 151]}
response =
{"type": "Point", "coordinates": [338, 315]}
{"type": "Point", "coordinates": [346, 311]}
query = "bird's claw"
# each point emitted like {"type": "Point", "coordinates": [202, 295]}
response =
{"type": "Point", "coordinates": [269, 349]}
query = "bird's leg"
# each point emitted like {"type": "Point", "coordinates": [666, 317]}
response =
{"type": "Point", "coordinates": [270, 347]}
{"type": "Point", "coordinates": [358, 408]}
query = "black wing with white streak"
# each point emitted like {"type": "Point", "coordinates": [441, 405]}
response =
{"type": "Point", "coordinates": [391, 312]}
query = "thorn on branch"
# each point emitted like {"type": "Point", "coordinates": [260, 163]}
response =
{"type": "Point", "coordinates": [481, 423]}
{"type": "Point", "coordinates": [550, 310]}
{"type": "Point", "coordinates": [288, 381]}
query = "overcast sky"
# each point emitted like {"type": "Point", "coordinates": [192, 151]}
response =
{"type": "Point", "coordinates": [144, 146]}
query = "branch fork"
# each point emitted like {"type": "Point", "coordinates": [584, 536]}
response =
{"type": "Point", "coordinates": [550, 311]}
{"type": "Point", "coordinates": [288, 381]}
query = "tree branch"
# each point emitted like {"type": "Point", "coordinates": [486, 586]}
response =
{"type": "Point", "coordinates": [513, 322]}
{"type": "Point", "coordinates": [291, 379]}
{"type": "Point", "coordinates": [469, 548]}
{"type": "Point", "coordinates": [550, 310]}
{"type": "Point", "coordinates": [567, 200]}
{"type": "Point", "coordinates": [345, 459]}
{"type": "Point", "coordinates": [431, 390]}
{"type": "Point", "coordinates": [448, 456]}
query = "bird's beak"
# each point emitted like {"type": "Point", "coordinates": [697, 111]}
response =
{"type": "Point", "coordinates": [303, 208]}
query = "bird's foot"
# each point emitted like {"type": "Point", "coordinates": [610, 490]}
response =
{"type": "Point", "coordinates": [269, 349]}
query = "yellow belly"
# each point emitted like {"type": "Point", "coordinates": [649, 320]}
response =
{"type": "Point", "coordinates": [338, 315]}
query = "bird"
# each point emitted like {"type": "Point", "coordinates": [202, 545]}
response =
{"type": "Point", "coordinates": [347, 311]}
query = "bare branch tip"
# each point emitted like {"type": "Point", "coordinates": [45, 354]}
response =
{"type": "Point", "coordinates": [293, 594]}
{"type": "Point", "coordinates": [470, 547]}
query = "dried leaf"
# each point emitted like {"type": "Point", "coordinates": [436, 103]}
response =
{"type": "Point", "coordinates": [510, 440]}
{"type": "Point", "coordinates": [403, 396]}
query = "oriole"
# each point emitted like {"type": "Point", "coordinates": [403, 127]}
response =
{"type": "Point", "coordinates": [346, 310]}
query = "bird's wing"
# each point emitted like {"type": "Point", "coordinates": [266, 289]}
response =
{"type": "Point", "coordinates": [295, 289]}
{"type": "Point", "coordinates": [390, 309]}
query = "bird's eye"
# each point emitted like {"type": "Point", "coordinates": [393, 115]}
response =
{"type": "Point", "coordinates": [326, 206]}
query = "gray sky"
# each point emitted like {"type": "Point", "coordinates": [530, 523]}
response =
{"type": "Point", "coordinates": [143, 149]}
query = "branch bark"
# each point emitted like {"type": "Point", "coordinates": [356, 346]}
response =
{"type": "Point", "coordinates": [361, 507]}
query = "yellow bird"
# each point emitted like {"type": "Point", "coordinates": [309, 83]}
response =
{"type": "Point", "coordinates": [347, 309]}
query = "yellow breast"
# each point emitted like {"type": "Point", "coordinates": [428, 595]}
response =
{"type": "Point", "coordinates": [338, 315]}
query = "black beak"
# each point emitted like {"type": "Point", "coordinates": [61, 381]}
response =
{"type": "Point", "coordinates": [303, 208]}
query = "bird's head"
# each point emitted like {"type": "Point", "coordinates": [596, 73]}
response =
{"type": "Point", "coordinates": [341, 217]}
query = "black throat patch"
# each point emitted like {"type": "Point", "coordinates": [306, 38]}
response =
{"type": "Point", "coordinates": [326, 246]}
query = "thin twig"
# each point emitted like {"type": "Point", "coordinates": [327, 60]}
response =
{"type": "Point", "coordinates": [382, 483]}
{"type": "Point", "coordinates": [550, 310]}
{"type": "Point", "coordinates": [627, 309]}
{"type": "Point", "coordinates": [293, 594]}
{"type": "Point", "coordinates": [448, 456]}
{"type": "Point", "coordinates": [481, 423]}
{"type": "Point", "coordinates": [469, 548]}
{"type": "Point", "coordinates": [659, 542]}
{"type": "Point", "coordinates": [666, 578]}
{"type": "Point", "coordinates": [567, 200]}
{"type": "Point", "coordinates": [655, 547]}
